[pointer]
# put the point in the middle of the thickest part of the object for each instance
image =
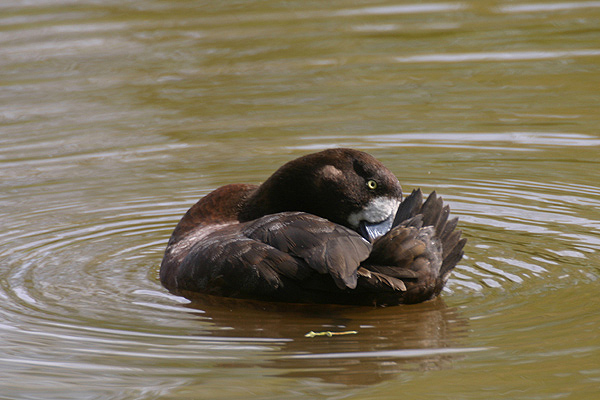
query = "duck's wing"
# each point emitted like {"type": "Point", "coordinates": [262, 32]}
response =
{"type": "Point", "coordinates": [324, 246]}
{"type": "Point", "coordinates": [418, 254]}
{"type": "Point", "coordinates": [257, 258]}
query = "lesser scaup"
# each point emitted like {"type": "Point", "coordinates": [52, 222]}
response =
{"type": "Point", "coordinates": [328, 227]}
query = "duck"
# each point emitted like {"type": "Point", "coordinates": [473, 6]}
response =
{"type": "Point", "coordinates": [329, 227]}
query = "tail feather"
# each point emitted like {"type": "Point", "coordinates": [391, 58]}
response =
{"type": "Point", "coordinates": [432, 209]}
{"type": "Point", "coordinates": [409, 207]}
{"type": "Point", "coordinates": [434, 213]}
{"type": "Point", "coordinates": [421, 250]}
{"type": "Point", "coordinates": [449, 228]}
{"type": "Point", "coordinates": [453, 257]}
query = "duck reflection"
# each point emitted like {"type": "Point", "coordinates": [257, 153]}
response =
{"type": "Point", "coordinates": [388, 341]}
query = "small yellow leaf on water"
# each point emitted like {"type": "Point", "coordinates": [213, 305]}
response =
{"type": "Point", "coordinates": [312, 334]}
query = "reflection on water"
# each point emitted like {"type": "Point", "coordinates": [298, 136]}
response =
{"type": "Point", "coordinates": [500, 56]}
{"type": "Point", "coordinates": [427, 336]}
{"type": "Point", "coordinates": [116, 117]}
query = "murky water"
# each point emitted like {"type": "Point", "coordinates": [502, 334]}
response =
{"type": "Point", "coordinates": [116, 116]}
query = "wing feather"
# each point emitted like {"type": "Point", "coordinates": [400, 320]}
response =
{"type": "Point", "coordinates": [323, 245]}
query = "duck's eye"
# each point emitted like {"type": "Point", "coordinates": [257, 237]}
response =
{"type": "Point", "coordinates": [372, 184]}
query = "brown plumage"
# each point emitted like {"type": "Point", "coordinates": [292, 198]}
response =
{"type": "Point", "coordinates": [295, 238]}
{"type": "Point", "coordinates": [416, 256]}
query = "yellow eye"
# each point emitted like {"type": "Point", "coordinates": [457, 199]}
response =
{"type": "Point", "coordinates": [371, 184]}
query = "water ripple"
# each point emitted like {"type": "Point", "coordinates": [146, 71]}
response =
{"type": "Point", "coordinates": [406, 353]}
{"type": "Point", "coordinates": [500, 56]}
{"type": "Point", "coordinates": [128, 233]}
{"type": "Point", "coordinates": [116, 116]}
{"type": "Point", "coordinates": [541, 7]}
{"type": "Point", "coordinates": [402, 9]}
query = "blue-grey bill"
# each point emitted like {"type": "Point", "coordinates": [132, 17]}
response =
{"type": "Point", "coordinates": [372, 231]}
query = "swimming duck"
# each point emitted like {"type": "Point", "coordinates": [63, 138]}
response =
{"type": "Point", "coordinates": [328, 227]}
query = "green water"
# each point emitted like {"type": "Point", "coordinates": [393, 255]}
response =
{"type": "Point", "coordinates": [115, 117]}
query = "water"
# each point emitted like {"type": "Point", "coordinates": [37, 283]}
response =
{"type": "Point", "coordinates": [116, 117]}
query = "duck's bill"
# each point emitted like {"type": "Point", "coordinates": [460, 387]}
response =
{"type": "Point", "coordinates": [372, 231]}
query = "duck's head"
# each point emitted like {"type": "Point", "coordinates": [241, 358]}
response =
{"type": "Point", "coordinates": [346, 186]}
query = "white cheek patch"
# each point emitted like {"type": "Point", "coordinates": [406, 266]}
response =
{"type": "Point", "coordinates": [377, 210]}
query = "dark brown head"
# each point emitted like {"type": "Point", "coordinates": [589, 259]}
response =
{"type": "Point", "coordinates": [345, 186]}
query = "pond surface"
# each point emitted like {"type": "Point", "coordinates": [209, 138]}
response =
{"type": "Point", "coordinates": [115, 117]}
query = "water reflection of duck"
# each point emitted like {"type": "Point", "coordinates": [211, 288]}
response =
{"type": "Point", "coordinates": [328, 227]}
{"type": "Point", "coordinates": [427, 336]}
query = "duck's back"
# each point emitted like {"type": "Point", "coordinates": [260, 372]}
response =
{"type": "Point", "coordinates": [316, 231]}
{"type": "Point", "coordinates": [301, 258]}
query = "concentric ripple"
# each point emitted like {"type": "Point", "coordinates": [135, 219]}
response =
{"type": "Point", "coordinates": [81, 297]}
{"type": "Point", "coordinates": [76, 294]}
{"type": "Point", "coordinates": [115, 117]}
{"type": "Point", "coordinates": [543, 231]}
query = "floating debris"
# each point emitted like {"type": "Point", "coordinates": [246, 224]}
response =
{"type": "Point", "coordinates": [329, 333]}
